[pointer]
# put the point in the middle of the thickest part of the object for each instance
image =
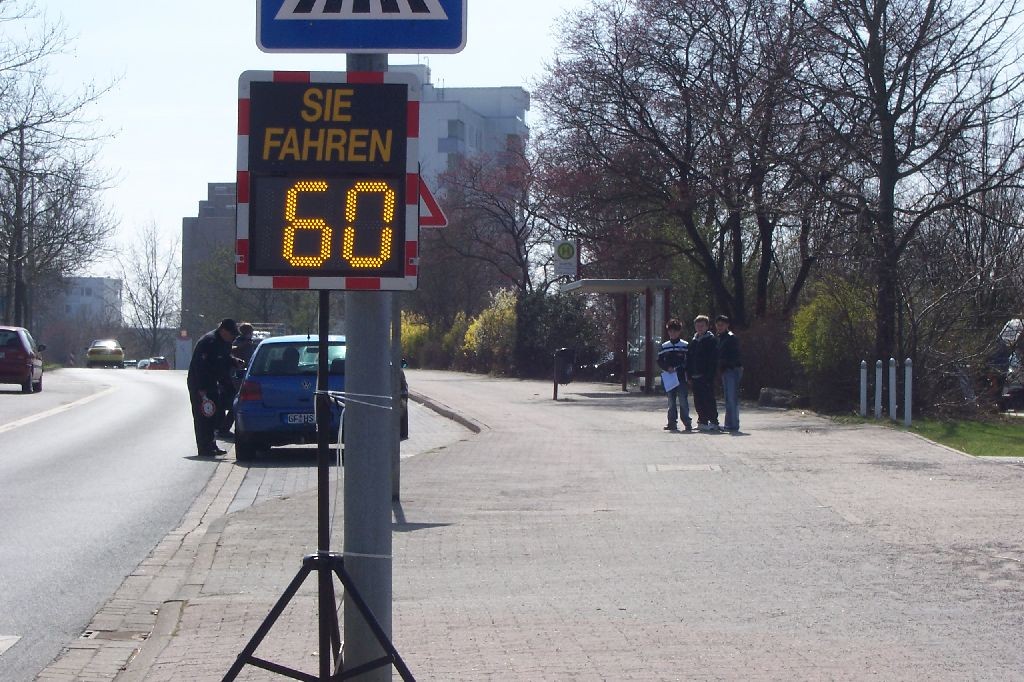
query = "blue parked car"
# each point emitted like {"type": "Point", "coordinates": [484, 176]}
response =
{"type": "Point", "coordinates": [275, 403]}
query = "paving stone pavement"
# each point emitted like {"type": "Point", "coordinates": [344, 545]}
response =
{"type": "Point", "coordinates": [575, 540]}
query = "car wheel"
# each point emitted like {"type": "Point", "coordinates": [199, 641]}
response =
{"type": "Point", "coordinates": [27, 386]}
{"type": "Point", "coordinates": [89, 365]}
{"type": "Point", "coordinates": [38, 386]}
{"type": "Point", "coordinates": [245, 448]}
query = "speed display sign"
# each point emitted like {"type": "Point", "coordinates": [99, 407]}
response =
{"type": "Point", "coordinates": [328, 185]}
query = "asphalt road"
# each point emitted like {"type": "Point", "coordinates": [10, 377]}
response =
{"type": "Point", "coordinates": [94, 472]}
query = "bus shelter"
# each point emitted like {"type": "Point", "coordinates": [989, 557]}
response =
{"type": "Point", "coordinates": [642, 309]}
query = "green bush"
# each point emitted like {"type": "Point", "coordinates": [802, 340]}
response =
{"type": "Point", "coordinates": [511, 336]}
{"type": "Point", "coordinates": [453, 342]}
{"type": "Point", "coordinates": [764, 346]}
{"type": "Point", "coordinates": [831, 334]}
{"type": "Point", "coordinates": [490, 339]}
{"type": "Point", "coordinates": [545, 323]}
{"type": "Point", "coordinates": [415, 340]}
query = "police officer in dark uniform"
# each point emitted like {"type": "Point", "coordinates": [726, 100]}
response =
{"type": "Point", "coordinates": [209, 370]}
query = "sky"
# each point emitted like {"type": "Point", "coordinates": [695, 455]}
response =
{"type": "Point", "coordinates": [171, 114]}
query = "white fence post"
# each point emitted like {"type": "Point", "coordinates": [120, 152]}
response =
{"type": "Point", "coordinates": [863, 388]}
{"type": "Point", "coordinates": [878, 389]}
{"type": "Point", "coordinates": [892, 389]}
{"type": "Point", "coordinates": [908, 376]}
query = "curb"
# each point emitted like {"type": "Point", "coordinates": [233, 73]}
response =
{"type": "Point", "coordinates": [445, 411]}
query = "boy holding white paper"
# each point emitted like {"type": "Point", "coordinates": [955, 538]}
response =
{"type": "Point", "coordinates": [672, 361]}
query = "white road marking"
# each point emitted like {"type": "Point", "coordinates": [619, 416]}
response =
{"type": "Point", "coordinates": [49, 413]}
{"type": "Point", "coordinates": [657, 468]}
{"type": "Point", "coordinates": [7, 641]}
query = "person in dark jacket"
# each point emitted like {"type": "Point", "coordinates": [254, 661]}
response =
{"type": "Point", "coordinates": [672, 360]}
{"type": "Point", "coordinates": [208, 372]}
{"type": "Point", "coordinates": [241, 353]}
{"type": "Point", "coordinates": [730, 366]}
{"type": "Point", "coordinates": [245, 345]}
{"type": "Point", "coordinates": [703, 364]}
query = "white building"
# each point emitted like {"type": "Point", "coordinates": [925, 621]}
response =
{"type": "Point", "coordinates": [90, 299]}
{"type": "Point", "coordinates": [466, 122]}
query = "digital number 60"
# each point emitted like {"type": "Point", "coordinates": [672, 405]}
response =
{"type": "Point", "coordinates": [294, 224]}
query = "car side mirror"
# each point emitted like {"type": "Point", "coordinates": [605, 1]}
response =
{"type": "Point", "coordinates": [41, 347]}
{"type": "Point", "coordinates": [405, 363]}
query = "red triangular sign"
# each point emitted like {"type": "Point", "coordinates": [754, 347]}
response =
{"type": "Point", "coordinates": [431, 214]}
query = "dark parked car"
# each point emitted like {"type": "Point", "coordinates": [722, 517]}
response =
{"type": "Point", "coordinates": [1012, 395]}
{"type": "Point", "coordinates": [1007, 365]}
{"type": "Point", "coordinates": [21, 359]}
{"type": "Point", "coordinates": [158, 362]}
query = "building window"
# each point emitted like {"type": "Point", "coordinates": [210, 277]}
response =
{"type": "Point", "coordinates": [456, 129]}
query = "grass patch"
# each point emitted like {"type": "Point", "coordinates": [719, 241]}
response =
{"type": "Point", "coordinates": [1002, 437]}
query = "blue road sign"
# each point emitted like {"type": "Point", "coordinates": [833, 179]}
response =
{"type": "Point", "coordinates": [361, 25]}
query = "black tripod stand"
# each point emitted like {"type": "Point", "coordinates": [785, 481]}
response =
{"type": "Point", "coordinates": [326, 564]}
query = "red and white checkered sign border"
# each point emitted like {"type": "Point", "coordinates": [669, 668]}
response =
{"type": "Point", "coordinates": [412, 193]}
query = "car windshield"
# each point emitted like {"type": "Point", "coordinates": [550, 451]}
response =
{"type": "Point", "coordinates": [104, 343]}
{"type": "Point", "coordinates": [292, 359]}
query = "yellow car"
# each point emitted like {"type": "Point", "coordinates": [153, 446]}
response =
{"type": "Point", "coordinates": [105, 353]}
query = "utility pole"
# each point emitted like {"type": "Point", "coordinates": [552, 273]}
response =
{"type": "Point", "coordinates": [367, 487]}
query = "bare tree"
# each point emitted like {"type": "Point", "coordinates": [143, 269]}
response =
{"type": "Point", "coordinates": [151, 279]}
{"type": "Point", "coordinates": [215, 296]}
{"type": "Point", "coordinates": [51, 224]}
{"type": "Point", "coordinates": [43, 138]}
{"type": "Point", "coordinates": [674, 131]}
{"type": "Point", "coordinates": [903, 89]}
{"type": "Point", "coordinates": [496, 218]}
{"type": "Point", "coordinates": [449, 283]}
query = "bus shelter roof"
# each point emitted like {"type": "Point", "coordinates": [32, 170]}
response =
{"type": "Point", "coordinates": [615, 286]}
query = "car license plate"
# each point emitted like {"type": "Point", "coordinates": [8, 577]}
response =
{"type": "Point", "coordinates": [300, 418]}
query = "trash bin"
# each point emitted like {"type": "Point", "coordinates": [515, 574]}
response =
{"type": "Point", "coordinates": [565, 361]}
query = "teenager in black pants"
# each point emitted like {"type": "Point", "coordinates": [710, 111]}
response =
{"type": "Point", "coordinates": [703, 364]}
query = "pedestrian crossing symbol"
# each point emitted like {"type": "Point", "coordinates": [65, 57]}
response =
{"type": "Point", "coordinates": [355, 26]}
{"type": "Point", "coordinates": [366, 10]}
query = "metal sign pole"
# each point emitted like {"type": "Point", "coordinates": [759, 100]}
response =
{"type": "Point", "coordinates": [326, 602]}
{"type": "Point", "coordinates": [367, 505]}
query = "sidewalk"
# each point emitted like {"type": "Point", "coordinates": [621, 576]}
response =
{"type": "Point", "coordinates": [578, 541]}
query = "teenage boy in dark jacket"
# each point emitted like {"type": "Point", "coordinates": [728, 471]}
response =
{"type": "Point", "coordinates": [672, 359]}
{"type": "Point", "coordinates": [703, 364]}
{"type": "Point", "coordinates": [730, 365]}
